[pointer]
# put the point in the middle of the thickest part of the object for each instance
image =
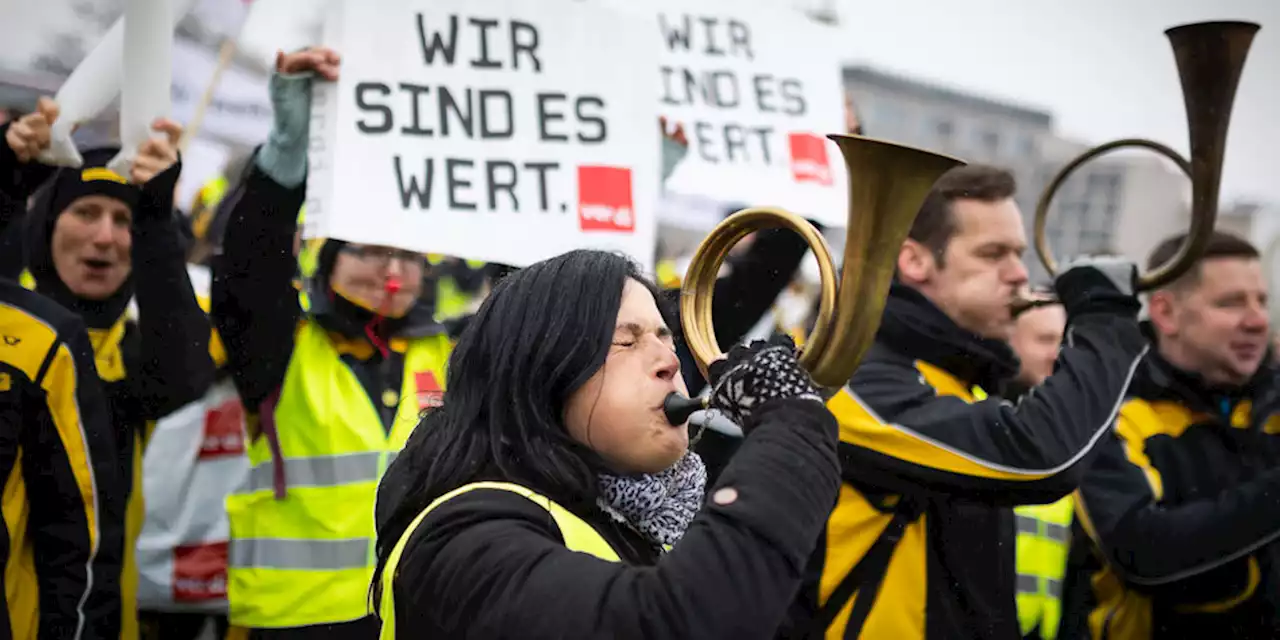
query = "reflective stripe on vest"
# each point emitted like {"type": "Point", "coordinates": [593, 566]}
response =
{"type": "Point", "coordinates": [578, 536]}
{"type": "Point", "coordinates": [307, 558]}
{"type": "Point", "coordinates": [1044, 540]}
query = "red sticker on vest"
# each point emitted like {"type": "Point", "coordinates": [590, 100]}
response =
{"type": "Point", "coordinates": [200, 572]}
{"type": "Point", "coordinates": [223, 430]}
{"type": "Point", "coordinates": [430, 395]}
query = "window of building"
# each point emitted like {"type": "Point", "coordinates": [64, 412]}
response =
{"type": "Point", "coordinates": [987, 142]}
{"type": "Point", "coordinates": [944, 129]}
{"type": "Point", "coordinates": [1095, 242]}
{"type": "Point", "coordinates": [1027, 147]}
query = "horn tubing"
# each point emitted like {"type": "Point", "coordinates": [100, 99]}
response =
{"type": "Point", "coordinates": [696, 295]}
{"type": "Point", "coordinates": [1210, 58]}
{"type": "Point", "coordinates": [1046, 198]}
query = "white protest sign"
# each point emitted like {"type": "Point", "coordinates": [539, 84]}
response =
{"type": "Point", "coordinates": [499, 130]}
{"type": "Point", "coordinates": [148, 57]}
{"type": "Point", "coordinates": [757, 89]}
{"type": "Point", "coordinates": [99, 78]}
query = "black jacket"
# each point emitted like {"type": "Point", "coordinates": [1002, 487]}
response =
{"type": "Point", "coordinates": [916, 437]}
{"type": "Point", "coordinates": [491, 564]}
{"type": "Point", "coordinates": [62, 543]}
{"type": "Point", "coordinates": [161, 361]}
{"type": "Point", "coordinates": [1183, 503]}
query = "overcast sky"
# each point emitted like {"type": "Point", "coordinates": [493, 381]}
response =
{"type": "Point", "coordinates": [1103, 68]}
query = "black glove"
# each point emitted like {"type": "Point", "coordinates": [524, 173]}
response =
{"type": "Point", "coordinates": [1099, 284]}
{"type": "Point", "coordinates": [751, 375]}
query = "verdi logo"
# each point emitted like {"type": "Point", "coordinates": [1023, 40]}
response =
{"type": "Point", "coordinates": [809, 159]}
{"type": "Point", "coordinates": [604, 199]}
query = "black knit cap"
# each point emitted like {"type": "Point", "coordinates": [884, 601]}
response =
{"type": "Point", "coordinates": [66, 186]}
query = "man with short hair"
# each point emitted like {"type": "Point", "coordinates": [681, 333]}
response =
{"type": "Point", "coordinates": [921, 542]}
{"type": "Point", "coordinates": [1183, 501]}
{"type": "Point", "coordinates": [1044, 530]}
{"type": "Point", "coordinates": [1037, 338]}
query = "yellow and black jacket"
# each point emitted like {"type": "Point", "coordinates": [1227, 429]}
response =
{"type": "Point", "coordinates": [1183, 503]}
{"type": "Point", "coordinates": [63, 539]}
{"type": "Point", "coordinates": [149, 367]}
{"type": "Point", "coordinates": [932, 470]}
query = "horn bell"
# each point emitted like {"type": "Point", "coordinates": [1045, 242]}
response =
{"type": "Point", "coordinates": [1210, 58]}
{"type": "Point", "coordinates": [887, 184]}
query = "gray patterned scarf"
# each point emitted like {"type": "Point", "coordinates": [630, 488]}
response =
{"type": "Point", "coordinates": [658, 506]}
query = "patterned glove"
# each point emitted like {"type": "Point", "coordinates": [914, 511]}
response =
{"type": "Point", "coordinates": [754, 374]}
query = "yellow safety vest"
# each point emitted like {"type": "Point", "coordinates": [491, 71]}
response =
{"type": "Point", "coordinates": [578, 536]}
{"type": "Point", "coordinates": [308, 558]}
{"type": "Point", "coordinates": [1044, 540]}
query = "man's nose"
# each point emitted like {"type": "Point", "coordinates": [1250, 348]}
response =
{"type": "Point", "coordinates": [1256, 318]}
{"type": "Point", "coordinates": [1017, 274]}
{"type": "Point", "coordinates": [103, 231]}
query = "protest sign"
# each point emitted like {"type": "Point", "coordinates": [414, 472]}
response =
{"type": "Point", "coordinates": [757, 88]}
{"type": "Point", "coordinates": [498, 130]}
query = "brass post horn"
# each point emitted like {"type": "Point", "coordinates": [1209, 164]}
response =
{"type": "Point", "coordinates": [887, 184]}
{"type": "Point", "coordinates": [1210, 58]}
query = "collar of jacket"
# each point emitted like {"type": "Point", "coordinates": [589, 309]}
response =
{"type": "Point", "coordinates": [1158, 379]}
{"type": "Point", "coordinates": [916, 328]}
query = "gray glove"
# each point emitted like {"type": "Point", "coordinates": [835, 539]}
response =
{"type": "Point", "coordinates": [1105, 284]}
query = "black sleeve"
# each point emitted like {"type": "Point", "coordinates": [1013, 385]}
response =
{"type": "Point", "coordinates": [77, 499]}
{"type": "Point", "coordinates": [474, 571]}
{"type": "Point", "coordinates": [174, 366]}
{"type": "Point", "coordinates": [18, 180]}
{"type": "Point", "coordinates": [745, 294]}
{"type": "Point", "coordinates": [1181, 551]}
{"type": "Point", "coordinates": [255, 306]}
{"type": "Point", "coordinates": [12, 260]}
{"type": "Point", "coordinates": [897, 433]}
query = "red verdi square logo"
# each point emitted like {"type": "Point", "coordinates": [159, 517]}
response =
{"type": "Point", "coordinates": [809, 159]}
{"type": "Point", "coordinates": [604, 199]}
{"type": "Point", "coordinates": [430, 395]}
{"type": "Point", "coordinates": [200, 572]}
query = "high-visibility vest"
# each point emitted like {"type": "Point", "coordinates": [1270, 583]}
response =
{"type": "Point", "coordinates": [1043, 543]}
{"type": "Point", "coordinates": [578, 536]}
{"type": "Point", "coordinates": [302, 546]}
{"type": "Point", "coordinates": [1041, 549]}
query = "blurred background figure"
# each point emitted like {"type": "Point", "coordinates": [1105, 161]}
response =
{"type": "Point", "coordinates": [1037, 338]}
{"type": "Point", "coordinates": [1044, 531]}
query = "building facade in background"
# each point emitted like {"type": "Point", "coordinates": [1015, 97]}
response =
{"type": "Point", "coordinates": [1123, 202]}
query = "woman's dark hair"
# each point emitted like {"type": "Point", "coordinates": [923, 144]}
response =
{"type": "Point", "coordinates": [539, 336]}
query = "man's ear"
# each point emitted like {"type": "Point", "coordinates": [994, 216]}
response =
{"type": "Point", "coordinates": [916, 262]}
{"type": "Point", "coordinates": [1163, 312]}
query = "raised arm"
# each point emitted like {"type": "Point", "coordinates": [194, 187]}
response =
{"type": "Point", "coordinates": [914, 439]}
{"type": "Point", "coordinates": [255, 306]}
{"type": "Point", "coordinates": [174, 366]}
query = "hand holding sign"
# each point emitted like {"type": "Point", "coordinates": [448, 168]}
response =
{"type": "Point", "coordinates": [31, 133]}
{"type": "Point", "coordinates": [155, 155]}
{"type": "Point", "coordinates": [675, 135]}
{"type": "Point", "coordinates": [321, 60]}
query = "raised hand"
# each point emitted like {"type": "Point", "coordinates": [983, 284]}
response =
{"type": "Point", "coordinates": [156, 154]}
{"type": "Point", "coordinates": [29, 135]}
{"type": "Point", "coordinates": [323, 61]}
